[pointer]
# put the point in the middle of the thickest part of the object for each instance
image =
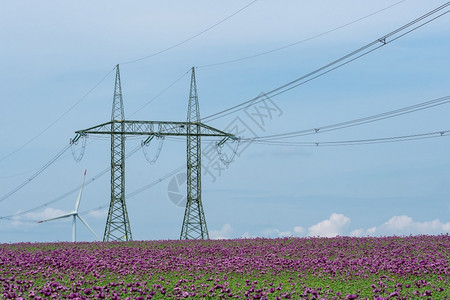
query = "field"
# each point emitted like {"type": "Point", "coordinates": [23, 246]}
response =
{"type": "Point", "coordinates": [414, 267]}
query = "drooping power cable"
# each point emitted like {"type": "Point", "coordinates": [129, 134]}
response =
{"type": "Point", "coordinates": [356, 122]}
{"type": "Point", "coordinates": [375, 45]}
{"type": "Point", "coordinates": [190, 38]}
{"type": "Point", "coordinates": [403, 138]}
{"type": "Point", "coordinates": [301, 41]}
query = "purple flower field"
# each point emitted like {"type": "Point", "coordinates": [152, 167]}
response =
{"type": "Point", "coordinates": [414, 267]}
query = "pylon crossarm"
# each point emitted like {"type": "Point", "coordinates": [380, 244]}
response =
{"type": "Point", "coordinates": [204, 127]}
{"type": "Point", "coordinates": [155, 128]}
{"type": "Point", "coordinates": [95, 128]}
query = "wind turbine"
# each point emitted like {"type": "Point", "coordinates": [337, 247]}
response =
{"type": "Point", "coordinates": [74, 214]}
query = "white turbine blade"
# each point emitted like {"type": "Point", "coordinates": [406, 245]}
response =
{"type": "Point", "coordinates": [89, 227]}
{"type": "Point", "coordinates": [77, 204]}
{"type": "Point", "coordinates": [58, 217]}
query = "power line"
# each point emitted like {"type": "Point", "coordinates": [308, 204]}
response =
{"type": "Point", "coordinates": [144, 188]}
{"type": "Point", "coordinates": [285, 87]}
{"type": "Point", "coordinates": [31, 170]}
{"type": "Point", "coordinates": [73, 191]}
{"type": "Point", "coordinates": [356, 122]}
{"type": "Point", "coordinates": [128, 196]}
{"type": "Point", "coordinates": [42, 169]}
{"type": "Point", "coordinates": [59, 118]}
{"type": "Point", "coordinates": [403, 138]}
{"type": "Point", "coordinates": [18, 174]}
{"type": "Point", "coordinates": [190, 38]}
{"type": "Point", "coordinates": [161, 93]}
{"type": "Point", "coordinates": [271, 140]}
{"type": "Point", "coordinates": [375, 45]}
{"type": "Point", "coordinates": [298, 82]}
{"type": "Point", "coordinates": [342, 125]}
{"type": "Point", "coordinates": [59, 155]}
{"type": "Point", "coordinates": [301, 41]}
{"type": "Point", "coordinates": [155, 182]}
{"type": "Point", "coordinates": [129, 62]}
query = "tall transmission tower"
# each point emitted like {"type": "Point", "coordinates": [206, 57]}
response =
{"type": "Point", "coordinates": [117, 224]}
{"type": "Point", "coordinates": [194, 222]}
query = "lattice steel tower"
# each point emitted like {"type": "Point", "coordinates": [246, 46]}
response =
{"type": "Point", "coordinates": [194, 222]}
{"type": "Point", "coordinates": [117, 224]}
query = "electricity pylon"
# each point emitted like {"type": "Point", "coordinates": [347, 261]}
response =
{"type": "Point", "coordinates": [194, 222]}
{"type": "Point", "coordinates": [117, 224]}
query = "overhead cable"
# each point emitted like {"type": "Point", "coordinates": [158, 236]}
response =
{"type": "Point", "coordinates": [59, 118]}
{"type": "Point", "coordinates": [128, 196]}
{"type": "Point", "coordinates": [190, 38]}
{"type": "Point", "coordinates": [403, 138]}
{"type": "Point", "coordinates": [375, 45]}
{"type": "Point", "coordinates": [42, 169]}
{"type": "Point", "coordinates": [160, 94]}
{"type": "Point", "coordinates": [356, 122]}
{"type": "Point", "coordinates": [65, 194]}
{"type": "Point", "coordinates": [155, 182]}
{"type": "Point", "coordinates": [301, 41]}
{"type": "Point", "coordinates": [129, 62]}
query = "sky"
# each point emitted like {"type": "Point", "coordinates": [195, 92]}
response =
{"type": "Point", "coordinates": [57, 60]}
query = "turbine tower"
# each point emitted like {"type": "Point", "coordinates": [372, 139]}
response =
{"type": "Point", "coordinates": [194, 222]}
{"type": "Point", "coordinates": [74, 214]}
{"type": "Point", "coordinates": [117, 224]}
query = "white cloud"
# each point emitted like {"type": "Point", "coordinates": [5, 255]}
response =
{"type": "Point", "coordinates": [273, 232]}
{"type": "Point", "coordinates": [34, 217]}
{"type": "Point", "coordinates": [20, 224]}
{"type": "Point", "coordinates": [337, 224]}
{"type": "Point", "coordinates": [28, 220]}
{"type": "Point", "coordinates": [98, 213]}
{"type": "Point", "coordinates": [404, 225]}
{"type": "Point", "coordinates": [371, 230]}
{"type": "Point", "coordinates": [397, 223]}
{"type": "Point", "coordinates": [333, 226]}
{"type": "Point", "coordinates": [45, 214]}
{"type": "Point", "coordinates": [224, 233]}
{"type": "Point", "coordinates": [299, 229]}
{"type": "Point", "coordinates": [363, 232]}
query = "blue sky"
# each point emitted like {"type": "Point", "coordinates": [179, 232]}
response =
{"type": "Point", "coordinates": [53, 53]}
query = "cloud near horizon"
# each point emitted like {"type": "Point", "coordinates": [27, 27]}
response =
{"type": "Point", "coordinates": [222, 234]}
{"type": "Point", "coordinates": [26, 221]}
{"type": "Point", "coordinates": [30, 219]}
{"type": "Point", "coordinates": [338, 225]}
{"type": "Point", "coordinates": [333, 226]}
{"type": "Point", "coordinates": [404, 225]}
